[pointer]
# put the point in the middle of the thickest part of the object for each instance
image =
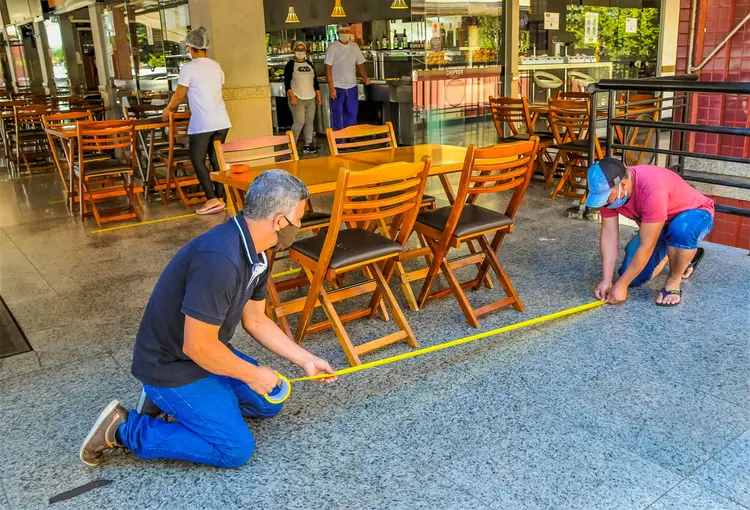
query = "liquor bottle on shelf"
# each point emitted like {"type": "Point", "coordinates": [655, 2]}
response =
{"type": "Point", "coordinates": [404, 41]}
{"type": "Point", "coordinates": [443, 41]}
{"type": "Point", "coordinates": [384, 42]}
{"type": "Point", "coordinates": [451, 36]}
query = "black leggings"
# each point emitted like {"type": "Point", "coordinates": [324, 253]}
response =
{"type": "Point", "coordinates": [202, 145]}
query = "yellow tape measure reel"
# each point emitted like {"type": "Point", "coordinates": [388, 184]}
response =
{"type": "Point", "coordinates": [281, 392]}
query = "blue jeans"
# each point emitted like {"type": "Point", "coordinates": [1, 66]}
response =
{"type": "Point", "coordinates": [210, 427]}
{"type": "Point", "coordinates": [683, 232]}
{"type": "Point", "coordinates": [344, 108]}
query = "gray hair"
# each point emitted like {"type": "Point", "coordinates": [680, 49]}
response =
{"type": "Point", "coordinates": [271, 193]}
{"type": "Point", "coordinates": [197, 39]}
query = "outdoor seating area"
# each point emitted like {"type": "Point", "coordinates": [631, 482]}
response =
{"type": "Point", "coordinates": [442, 255]}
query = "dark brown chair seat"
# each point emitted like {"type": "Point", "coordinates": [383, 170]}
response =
{"type": "Point", "coordinates": [544, 137]}
{"type": "Point", "coordinates": [104, 167]}
{"type": "Point", "coordinates": [353, 245]}
{"type": "Point", "coordinates": [178, 155]}
{"type": "Point", "coordinates": [312, 218]}
{"type": "Point", "coordinates": [473, 219]}
{"type": "Point", "coordinates": [578, 145]}
{"type": "Point", "coordinates": [28, 135]}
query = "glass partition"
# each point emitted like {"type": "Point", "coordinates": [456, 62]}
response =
{"type": "Point", "coordinates": [57, 53]}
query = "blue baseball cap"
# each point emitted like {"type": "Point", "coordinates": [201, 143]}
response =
{"type": "Point", "coordinates": [603, 175]}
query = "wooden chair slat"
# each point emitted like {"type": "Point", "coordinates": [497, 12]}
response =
{"type": "Point", "coordinates": [361, 131]}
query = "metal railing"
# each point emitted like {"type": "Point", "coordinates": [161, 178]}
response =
{"type": "Point", "coordinates": [622, 118]}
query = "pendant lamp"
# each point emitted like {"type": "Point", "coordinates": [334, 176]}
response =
{"type": "Point", "coordinates": [399, 4]}
{"type": "Point", "coordinates": [292, 16]}
{"type": "Point", "coordinates": [338, 10]}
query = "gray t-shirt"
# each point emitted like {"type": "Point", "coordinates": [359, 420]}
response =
{"type": "Point", "coordinates": [344, 59]}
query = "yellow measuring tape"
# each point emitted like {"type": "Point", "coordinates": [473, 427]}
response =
{"type": "Point", "coordinates": [282, 392]}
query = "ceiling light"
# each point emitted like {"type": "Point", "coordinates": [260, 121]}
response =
{"type": "Point", "coordinates": [292, 16]}
{"type": "Point", "coordinates": [399, 4]}
{"type": "Point", "coordinates": [338, 10]}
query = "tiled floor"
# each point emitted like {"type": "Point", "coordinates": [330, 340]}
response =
{"type": "Point", "coordinates": [624, 407]}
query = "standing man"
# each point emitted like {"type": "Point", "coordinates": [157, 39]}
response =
{"type": "Point", "coordinates": [672, 215]}
{"type": "Point", "coordinates": [343, 57]}
{"type": "Point", "coordinates": [182, 352]}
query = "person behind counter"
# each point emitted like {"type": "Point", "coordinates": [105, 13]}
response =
{"type": "Point", "coordinates": [342, 60]}
{"type": "Point", "coordinates": [303, 93]}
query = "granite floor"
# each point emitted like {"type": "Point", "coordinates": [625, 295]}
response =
{"type": "Point", "coordinates": [634, 406]}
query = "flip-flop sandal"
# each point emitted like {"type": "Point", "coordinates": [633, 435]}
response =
{"type": "Point", "coordinates": [696, 260]}
{"type": "Point", "coordinates": [211, 210]}
{"type": "Point", "coordinates": [665, 293]}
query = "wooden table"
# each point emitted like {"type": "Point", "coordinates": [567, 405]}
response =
{"type": "Point", "coordinates": [68, 133]}
{"type": "Point", "coordinates": [320, 176]}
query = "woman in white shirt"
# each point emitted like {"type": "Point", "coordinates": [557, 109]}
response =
{"type": "Point", "coordinates": [303, 93]}
{"type": "Point", "coordinates": [201, 81]}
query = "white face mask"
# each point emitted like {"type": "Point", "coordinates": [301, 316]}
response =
{"type": "Point", "coordinates": [344, 38]}
{"type": "Point", "coordinates": [300, 55]}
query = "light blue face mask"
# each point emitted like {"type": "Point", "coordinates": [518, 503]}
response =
{"type": "Point", "coordinates": [619, 201]}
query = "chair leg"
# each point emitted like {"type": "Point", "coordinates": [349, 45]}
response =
{"type": "Point", "coordinates": [438, 252]}
{"type": "Point", "coordinates": [491, 250]}
{"type": "Point", "coordinates": [458, 292]}
{"type": "Point", "coordinates": [129, 186]}
{"type": "Point", "coordinates": [316, 286]}
{"type": "Point", "coordinates": [333, 317]}
{"type": "Point", "coordinates": [485, 278]}
{"type": "Point", "coordinates": [552, 170]}
{"type": "Point", "coordinates": [390, 299]}
{"type": "Point", "coordinates": [563, 180]}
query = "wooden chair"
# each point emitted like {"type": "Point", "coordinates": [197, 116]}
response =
{"type": "Point", "coordinates": [648, 110]}
{"type": "Point", "coordinates": [570, 125]}
{"type": "Point", "coordinates": [180, 175]}
{"type": "Point", "coordinates": [61, 154]}
{"type": "Point", "coordinates": [28, 139]}
{"type": "Point", "coordinates": [91, 104]}
{"type": "Point", "coordinates": [515, 114]}
{"type": "Point", "coordinates": [253, 151]}
{"type": "Point", "coordinates": [113, 178]}
{"type": "Point", "coordinates": [367, 137]}
{"type": "Point", "coordinates": [257, 151]}
{"type": "Point", "coordinates": [487, 170]}
{"type": "Point", "coordinates": [328, 255]}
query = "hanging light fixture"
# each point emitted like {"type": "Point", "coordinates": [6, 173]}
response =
{"type": "Point", "coordinates": [399, 4]}
{"type": "Point", "coordinates": [292, 16]}
{"type": "Point", "coordinates": [338, 10]}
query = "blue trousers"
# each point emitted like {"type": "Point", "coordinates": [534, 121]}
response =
{"type": "Point", "coordinates": [344, 108]}
{"type": "Point", "coordinates": [683, 232]}
{"type": "Point", "coordinates": [210, 427]}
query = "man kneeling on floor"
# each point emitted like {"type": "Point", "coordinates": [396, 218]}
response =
{"type": "Point", "coordinates": [673, 217]}
{"type": "Point", "coordinates": [182, 352]}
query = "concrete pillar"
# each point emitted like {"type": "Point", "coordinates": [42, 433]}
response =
{"type": "Point", "coordinates": [100, 50]}
{"type": "Point", "coordinates": [512, 82]}
{"type": "Point", "coordinates": [5, 20]}
{"type": "Point", "coordinates": [238, 43]}
{"type": "Point", "coordinates": [45, 59]}
{"type": "Point", "coordinates": [71, 47]}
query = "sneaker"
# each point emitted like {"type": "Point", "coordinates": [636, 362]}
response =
{"type": "Point", "coordinates": [102, 436]}
{"type": "Point", "coordinates": [309, 149]}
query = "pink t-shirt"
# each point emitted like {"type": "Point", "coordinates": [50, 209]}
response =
{"type": "Point", "coordinates": [659, 194]}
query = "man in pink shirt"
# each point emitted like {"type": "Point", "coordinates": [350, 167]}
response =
{"type": "Point", "coordinates": [672, 215]}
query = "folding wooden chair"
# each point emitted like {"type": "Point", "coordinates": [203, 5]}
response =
{"type": "Point", "coordinates": [62, 152]}
{"type": "Point", "coordinates": [28, 140]}
{"type": "Point", "coordinates": [648, 110]}
{"type": "Point", "coordinates": [113, 178]}
{"type": "Point", "coordinates": [253, 151]}
{"type": "Point", "coordinates": [515, 113]}
{"type": "Point", "coordinates": [487, 170]}
{"type": "Point", "coordinates": [327, 255]}
{"type": "Point", "coordinates": [570, 125]}
{"type": "Point", "coordinates": [180, 175]}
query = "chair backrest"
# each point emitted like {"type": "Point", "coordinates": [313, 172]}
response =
{"type": "Point", "coordinates": [57, 119]}
{"type": "Point", "coordinates": [569, 120]}
{"type": "Point", "coordinates": [511, 111]}
{"type": "Point", "coordinates": [573, 96]}
{"type": "Point", "coordinates": [31, 116]}
{"type": "Point", "coordinates": [256, 151]}
{"type": "Point", "coordinates": [402, 183]}
{"type": "Point", "coordinates": [106, 135]}
{"type": "Point", "coordinates": [361, 136]}
{"type": "Point", "coordinates": [494, 169]}
{"type": "Point", "coordinates": [141, 111]}
{"type": "Point", "coordinates": [178, 130]}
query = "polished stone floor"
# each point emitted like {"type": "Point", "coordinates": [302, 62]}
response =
{"type": "Point", "coordinates": [625, 407]}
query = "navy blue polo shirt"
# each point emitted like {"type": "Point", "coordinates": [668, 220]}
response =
{"type": "Point", "coordinates": [210, 279]}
